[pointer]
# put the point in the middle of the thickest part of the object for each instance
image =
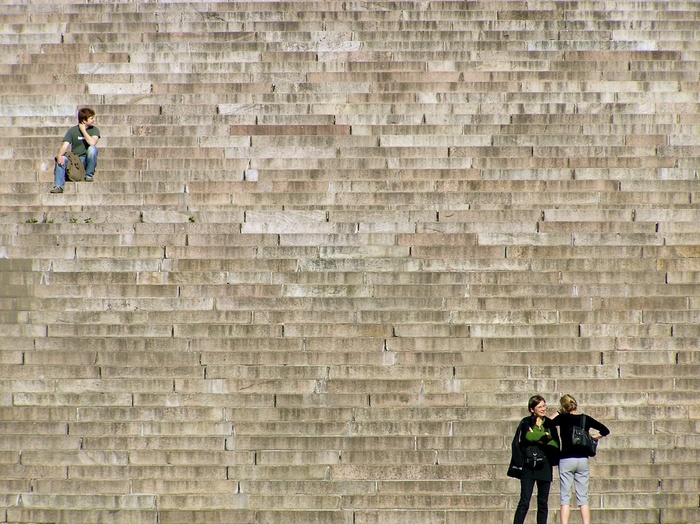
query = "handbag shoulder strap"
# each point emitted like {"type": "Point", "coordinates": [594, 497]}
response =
{"type": "Point", "coordinates": [583, 422]}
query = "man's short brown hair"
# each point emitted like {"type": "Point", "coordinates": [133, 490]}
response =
{"type": "Point", "coordinates": [84, 114]}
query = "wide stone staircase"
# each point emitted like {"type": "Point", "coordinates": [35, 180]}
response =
{"type": "Point", "coordinates": [332, 248]}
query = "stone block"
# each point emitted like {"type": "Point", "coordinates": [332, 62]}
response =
{"type": "Point", "coordinates": [386, 227]}
{"type": "Point", "coordinates": [655, 412]}
{"type": "Point", "coordinates": [260, 387]}
{"type": "Point", "coordinates": [36, 442]}
{"type": "Point", "coordinates": [622, 386]}
{"type": "Point", "coordinates": [98, 330]}
{"type": "Point", "coordinates": [321, 400]}
{"type": "Point", "coordinates": [104, 502]}
{"type": "Point", "coordinates": [326, 291]}
{"type": "Point", "coordinates": [312, 442]}
{"type": "Point", "coordinates": [416, 472]}
{"type": "Point", "coordinates": [402, 317]}
{"type": "Point", "coordinates": [160, 414]}
{"type": "Point", "coordinates": [208, 265]}
{"type": "Point", "coordinates": [112, 252]}
{"type": "Point", "coordinates": [425, 487]}
{"type": "Point", "coordinates": [224, 349]}
{"type": "Point", "coordinates": [320, 413]}
{"type": "Point", "coordinates": [142, 372]}
{"type": "Point", "coordinates": [327, 516]}
{"type": "Point", "coordinates": [430, 345]}
{"type": "Point", "coordinates": [82, 516]}
{"type": "Point", "coordinates": [412, 501]}
{"type": "Point", "coordinates": [274, 487]}
{"type": "Point", "coordinates": [112, 385]}
{"type": "Point", "coordinates": [207, 516]}
{"type": "Point", "coordinates": [627, 229]}
{"type": "Point", "coordinates": [646, 501]}
{"type": "Point", "coordinates": [281, 472]}
{"type": "Point", "coordinates": [18, 427]}
{"type": "Point", "coordinates": [297, 457]}
{"type": "Point", "coordinates": [72, 400]}
{"type": "Point", "coordinates": [297, 130]}
{"type": "Point", "coordinates": [189, 457]}
{"type": "Point", "coordinates": [678, 515]}
{"type": "Point", "coordinates": [224, 331]}
{"type": "Point", "coordinates": [204, 252]}
{"type": "Point", "coordinates": [71, 487]}
{"type": "Point", "coordinates": [461, 251]}
{"type": "Point", "coordinates": [393, 457]}
{"type": "Point", "coordinates": [67, 457]}
{"type": "Point", "coordinates": [390, 373]}
{"type": "Point", "coordinates": [100, 429]}
{"type": "Point", "coordinates": [38, 111]}
{"type": "Point", "coordinates": [200, 316]}
{"type": "Point", "coordinates": [427, 516]}
{"type": "Point", "coordinates": [344, 265]}
{"type": "Point", "coordinates": [125, 472]}
{"type": "Point", "coordinates": [105, 265]}
{"type": "Point", "coordinates": [120, 89]}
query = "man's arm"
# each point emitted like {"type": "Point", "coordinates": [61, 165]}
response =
{"type": "Point", "coordinates": [61, 152]}
{"type": "Point", "coordinates": [89, 139]}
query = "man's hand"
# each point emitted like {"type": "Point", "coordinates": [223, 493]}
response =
{"type": "Point", "coordinates": [61, 152]}
{"type": "Point", "coordinates": [89, 139]}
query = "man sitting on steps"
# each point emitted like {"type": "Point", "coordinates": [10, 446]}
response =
{"type": "Point", "coordinates": [82, 141]}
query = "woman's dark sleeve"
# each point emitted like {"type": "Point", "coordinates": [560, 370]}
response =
{"type": "Point", "coordinates": [552, 425]}
{"type": "Point", "coordinates": [599, 426]}
{"type": "Point", "coordinates": [516, 449]}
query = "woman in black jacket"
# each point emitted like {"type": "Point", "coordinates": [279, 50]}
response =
{"type": "Point", "coordinates": [535, 449]}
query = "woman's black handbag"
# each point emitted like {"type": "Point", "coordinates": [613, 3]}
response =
{"type": "Point", "coordinates": [581, 437]}
{"type": "Point", "coordinates": [533, 458]}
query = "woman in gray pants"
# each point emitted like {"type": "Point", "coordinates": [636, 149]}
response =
{"type": "Point", "coordinates": [573, 461]}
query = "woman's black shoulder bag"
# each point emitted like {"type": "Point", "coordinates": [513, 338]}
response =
{"type": "Point", "coordinates": [580, 437]}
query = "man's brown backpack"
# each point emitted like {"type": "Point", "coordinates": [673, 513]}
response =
{"type": "Point", "coordinates": [75, 169]}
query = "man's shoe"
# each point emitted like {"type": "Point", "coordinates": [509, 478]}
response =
{"type": "Point", "coordinates": [88, 179]}
{"type": "Point", "coordinates": [56, 189]}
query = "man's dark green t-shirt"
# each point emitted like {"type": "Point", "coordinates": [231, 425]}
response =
{"type": "Point", "coordinates": [77, 140]}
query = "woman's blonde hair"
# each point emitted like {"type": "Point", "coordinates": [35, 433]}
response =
{"type": "Point", "coordinates": [568, 403]}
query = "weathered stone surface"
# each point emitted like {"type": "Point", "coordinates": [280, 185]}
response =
{"type": "Point", "coordinates": [324, 244]}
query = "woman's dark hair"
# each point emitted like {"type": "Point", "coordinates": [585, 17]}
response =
{"type": "Point", "coordinates": [534, 401]}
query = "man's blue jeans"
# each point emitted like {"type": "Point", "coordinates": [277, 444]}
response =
{"type": "Point", "coordinates": [89, 161]}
